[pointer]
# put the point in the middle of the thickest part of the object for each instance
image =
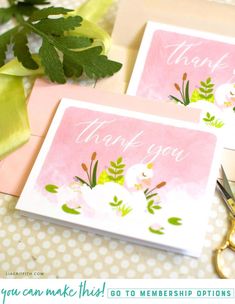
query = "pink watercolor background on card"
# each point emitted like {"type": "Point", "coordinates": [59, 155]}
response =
{"type": "Point", "coordinates": [65, 156]}
{"type": "Point", "coordinates": [215, 60]}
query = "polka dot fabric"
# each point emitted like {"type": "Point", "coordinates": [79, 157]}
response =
{"type": "Point", "coordinates": [37, 249]}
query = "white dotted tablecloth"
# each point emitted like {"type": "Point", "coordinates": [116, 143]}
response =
{"type": "Point", "coordinates": [34, 249]}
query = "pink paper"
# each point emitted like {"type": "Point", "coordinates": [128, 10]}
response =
{"type": "Point", "coordinates": [42, 106]}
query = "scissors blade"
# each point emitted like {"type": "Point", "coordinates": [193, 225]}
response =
{"type": "Point", "coordinates": [226, 184]}
{"type": "Point", "coordinates": [230, 203]}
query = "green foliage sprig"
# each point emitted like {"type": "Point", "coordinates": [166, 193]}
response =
{"type": "Point", "coordinates": [62, 56]}
{"type": "Point", "coordinates": [206, 89]}
{"type": "Point", "coordinates": [115, 171]}
{"type": "Point", "coordinates": [212, 121]}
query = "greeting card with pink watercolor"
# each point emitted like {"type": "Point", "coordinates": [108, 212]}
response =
{"type": "Point", "coordinates": [191, 68]}
{"type": "Point", "coordinates": [131, 175]}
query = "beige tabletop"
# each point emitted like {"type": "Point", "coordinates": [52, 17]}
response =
{"type": "Point", "coordinates": [34, 249]}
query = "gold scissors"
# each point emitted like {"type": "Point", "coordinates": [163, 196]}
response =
{"type": "Point", "coordinates": [229, 241]}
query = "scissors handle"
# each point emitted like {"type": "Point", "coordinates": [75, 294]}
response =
{"type": "Point", "coordinates": [228, 243]}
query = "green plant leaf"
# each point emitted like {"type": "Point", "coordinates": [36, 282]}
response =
{"type": "Point", "coordinates": [59, 25]}
{"type": "Point", "coordinates": [71, 69]}
{"type": "Point", "coordinates": [81, 180]}
{"type": "Point", "coordinates": [115, 204]}
{"type": "Point", "coordinates": [74, 42]}
{"type": "Point", "coordinates": [21, 51]}
{"type": "Point", "coordinates": [203, 84]}
{"type": "Point", "coordinates": [5, 39]}
{"type": "Point", "coordinates": [176, 99]}
{"type": "Point", "coordinates": [209, 96]}
{"type": "Point", "coordinates": [51, 188]}
{"type": "Point", "coordinates": [113, 164]}
{"type": "Point", "coordinates": [209, 91]}
{"type": "Point", "coordinates": [124, 210]}
{"type": "Point", "coordinates": [103, 178]}
{"type": "Point", "coordinates": [94, 64]}
{"type": "Point", "coordinates": [66, 209]}
{"type": "Point", "coordinates": [45, 12]}
{"type": "Point", "coordinates": [156, 231]}
{"type": "Point", "coordinates": [51, 61]}
{"type": "Point", "coordinates": [6, 14]}
{"type": "Point", "coordinates": [175, 221]}
{"type": "Point", "coordinates": [94, 174]}
{"type": "Point", "coordinates": [149, 206]}
{"type": "Point", "coordinates": [36, 2]}
{"type": "Point", "coordinates": [25, 9]}
{"type": "Point", "coordinates": [111, 170]}
{"type": "Point", "coordinates": [202, 90]}
{"type": "Point", "coordinates": [120, 180]}
{"type": "Point", "coordinates": [119, 172]}
{"type": "Point", "coordinates": [150, 196]}
{"type": "Point", "coordinates": [187, 99]}
{"type": "Point", "coordinates": [157, 207]}
{"type": "Point", "coordinates": [119, 160]}
{"type": "Point", "coordinates": [120, 166]}
{"type": "Point", "coordinates": [208, 80]}
{"type": "Point", "coordinates": [202, 96]}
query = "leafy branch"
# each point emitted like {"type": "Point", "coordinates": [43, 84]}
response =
{"type": "Point", "coordinates": [61, 55]}
{"type": "Point", "coordinates": [206, 89]}
{"type": "Point", "coordinates": [115, 171]}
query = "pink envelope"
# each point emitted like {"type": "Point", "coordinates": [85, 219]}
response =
{"type": "Point", "coordinates": [42, 105]}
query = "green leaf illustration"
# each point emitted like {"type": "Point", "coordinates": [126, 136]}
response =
{"type": "Point", "coordinates": [159, 231]}
{"type": "Point", "coordinates": [94, 174]}
{"type": "Point", "coordinates": [187, 99]}
{"type": "Point", "coordinates": [66, 209]}
{"type": "Point", "coordinates": [151, 207]}
{"type": "Point", "coordinates": [119, 160]}
{"type": "Point", "coordinates": [175, 221]}
{"type": "Point", "coordinates": [81, 180]}
{"type": "Point", "coordinates": [51, 188]}
{"type": "Point", "coordinates": [115, 202]}
{"type": "Point", "coordinates": [116, 171]}
{"type": "Point", "coordinates": [151, 195]}
{"type": "Point", "coordinates": [157, 207]}
{"type": "Point", "coordinates": [176, 99]}
{"type": "Point", "coordinates": [103, 178]}
{"type": "Point", "coordinates": [124, 210]}
{"type": "Point", "coordinates": [206, 91]}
